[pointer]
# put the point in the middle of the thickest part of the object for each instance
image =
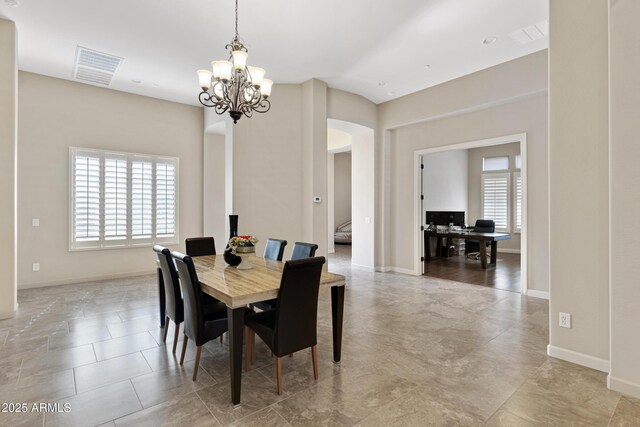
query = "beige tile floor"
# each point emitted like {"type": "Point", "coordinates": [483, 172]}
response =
{"type": "Point", "coordinates": [417, 351]}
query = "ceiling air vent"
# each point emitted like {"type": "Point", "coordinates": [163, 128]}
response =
{"type": "Point", "coordinates": [531, 33]}
{"type": "Point", "coordinates": [95, 67]}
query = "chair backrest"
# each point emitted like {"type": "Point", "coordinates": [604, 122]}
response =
{"type": "Point", "coordinates": [193, 310]}
{"type": "Point", "coordinates": [297, 310]}
{"type": "Point", "coordinates": [174, 307]}
{"type": "Point", "coordinates": [303, 250]}
{"type": "Point", "coordinates": [485, 226]}
{"type": "Point", "coordinates": [200, 246]}
{"type": "Point", "coordinates": [274, 249]}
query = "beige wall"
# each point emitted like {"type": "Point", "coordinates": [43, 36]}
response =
{"type": "Point", "coordinates": [342, 186]}
{"type": "Point", "coordinates": [515, 83]}
{"type": "Point", "coordinates": [214, 195]}
{"type": "Point", "coordinates": [512, 106]}
{"type": "Point", "coordinates": [55, 114]}
{"type": "Point", "coordinates": [475, 187]}
{"type": "Point", "coordinates": [267, 165]}
{"type": "Point", "coordinates": [625, 198]}
{"type": "Point", "coordinates": [579, 180]}
{"type": "Point", "coordinates": [8, 150]}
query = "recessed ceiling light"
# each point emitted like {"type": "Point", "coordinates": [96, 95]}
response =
{"type": "Point", "coordinates": [136, 81]}
{"type": "Point", "coordinates": [382, 83]}
{"type": "Point", "coordinates": [12, 3]}
{"type": "Point", "coordinates": [391, 93]}
{"type": "Point", "coordinates": [490, 40]}
{"type": "Point", "coordinates": [427, 67]}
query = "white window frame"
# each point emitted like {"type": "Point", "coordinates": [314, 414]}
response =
{"type": "Point", "coordinates": [516, 229]}
{"type": "Point", "coordinates": [129, 242]}
{"type": "Point", "coordinates": [507, 176]}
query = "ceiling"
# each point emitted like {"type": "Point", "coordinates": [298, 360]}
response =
{"type": "Point", "coordinates": [378, 49]}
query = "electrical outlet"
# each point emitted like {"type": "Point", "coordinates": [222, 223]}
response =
{"type": "Point", "coordinates": [565, 320]}
{"type": "Point", "coordinates": [36, 266]}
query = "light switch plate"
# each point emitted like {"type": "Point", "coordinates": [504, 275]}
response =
{"type": "Point", "coordinates": [36, 266]}
{"type": "Point", "coordinates": [35, 222]}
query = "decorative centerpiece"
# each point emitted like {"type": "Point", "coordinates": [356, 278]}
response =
{"type": "Point", "coordinates": [243, 246]}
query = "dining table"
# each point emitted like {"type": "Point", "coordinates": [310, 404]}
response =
{"type": "Point", "coordinates": [239, 288]}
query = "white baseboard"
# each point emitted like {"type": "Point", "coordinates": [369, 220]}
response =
{"type": "Point", "coordinates": [396, 270]}
{"type": "Point", "coordinates": [538, 294]}
{"type": "Point", "coordinates": [578, 358]}
{"type": "Point", "coordinates": [331, 251]}
{"type": "Point", "coordinates": [73, 281]}
{"type": "Point", "coordinates": [508, 251]}
{"type": "Point", "coordinates": [623, 386]}
{"type": "Point", "coordinates": [363, 267]}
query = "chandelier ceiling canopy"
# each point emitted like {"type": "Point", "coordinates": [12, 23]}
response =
{"type": "Point", "coordinates": [234, 86]}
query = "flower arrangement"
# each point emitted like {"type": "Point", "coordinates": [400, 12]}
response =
{"type": "Point", "coordinates": [243, 241]}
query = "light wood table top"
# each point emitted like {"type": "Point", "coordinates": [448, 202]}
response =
{"type": "Point", "coordinates": [237, 288]}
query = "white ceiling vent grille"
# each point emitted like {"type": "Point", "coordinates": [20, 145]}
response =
{"type": "Point", "coordinates": [95, 67]}
{"type": "Point", "coordinates": [531, 33]}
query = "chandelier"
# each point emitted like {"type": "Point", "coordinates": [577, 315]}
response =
{"type": "Point", "coordinates": [233, 85]}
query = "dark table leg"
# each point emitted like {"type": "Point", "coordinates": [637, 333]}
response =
{"type": "Point", "coordinates": [337, 310]}
{"type": "Point", "coordinates": [494, 252]}
{"type": "Point", "coordinates": [483, 253]}
{"type": "Point", "coordinates": [161, 295]}
{"type": "Point", "coordinates": [235, 318]}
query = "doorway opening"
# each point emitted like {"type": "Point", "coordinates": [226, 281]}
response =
{"type": "Point", "coordinates": [350, 208]}
{"type": "Point", "coordinates": [459, 185]}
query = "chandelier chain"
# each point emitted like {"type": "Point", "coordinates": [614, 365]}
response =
{"type": "Point", "coordinates": [236, 18]}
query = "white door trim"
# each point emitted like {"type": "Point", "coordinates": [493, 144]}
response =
{"type": "Point", "coordinates": [522, 139]}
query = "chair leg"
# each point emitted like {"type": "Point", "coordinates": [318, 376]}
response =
{"type": "Point", "coordinates": [314, 357]}
{"type": "Point", "coordinates": [251, 341]}
{"type": "Point", "coordinates": [279, 374]}
{"type": "Point", "coordinates": [166, 329]}
{"type": "Point", "coordinates": [175, 338]}
{"type": "Point", "coordinates": [290, 354]}
{"type": "Point", "coordinates": [197, 365]}
{"type": "Point", "coordinates": [221, 338]}
{"type": "Point", "coordinates": [184, 348]}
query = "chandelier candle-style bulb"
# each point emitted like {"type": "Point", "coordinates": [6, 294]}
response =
{"type": "Point", "coordinates": [222, 70]}
{"type": "Point", "coordinates": [233, 85]}
{"type": "Point", "coordinates": [256, 76]}
{"type": "Point", "coordinates": [265, 89]}
{"type": "Point", "coordinates": [204, 77]}
{"type": "Point", "coordinates": [239, 59]}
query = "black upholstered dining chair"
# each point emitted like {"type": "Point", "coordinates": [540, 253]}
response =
{"type": "Point", "coordinates": [202, 323]}
{"type": "Point", "coordinates": [200, 246]}
{"type": "Point", "coordinates": [303, 250]}
{"type": "Point", "coordinates": [174, 304]}
{"type": "Point", "coordinates": [472, 247]}
{"type": "Point", "coordinates": [274, 249]}
{"type": "Point", "coordinates": [292, 325]}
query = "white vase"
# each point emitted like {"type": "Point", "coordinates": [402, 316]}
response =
{"type": "Point", "coordinates": [245, 264]}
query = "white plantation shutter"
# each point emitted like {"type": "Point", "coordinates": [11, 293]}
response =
{"type": "Point", "coordinates": [122, 199]}
{"type": "Point", "coordinates": [141, 199]}
{"type": "Point", "coordinates": [495, 199]}
{"type": "Point", "coordinates": [517, 177]}
{"type": "Point", "coordinates": [165, 199]}
{"type": "Point", "coordinates": [86, 198]}
{"type": "Point", "coordinates": [115, 198]}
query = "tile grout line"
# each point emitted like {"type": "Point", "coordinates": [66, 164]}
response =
{"type": "Point", "coordinates": [614, 410]}
{"type": "Point", "coordinates": [207, 406]}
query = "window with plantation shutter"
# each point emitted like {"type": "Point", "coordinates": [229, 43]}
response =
{"type": "Point", "coordinates": [495, 199]}
{"type": "Point", "coordinates": [115, 198]}
{"type": "Point", "coordinates": [141, 199]}
{"type": "Point", "coordinates": [165, 199]}
{"type": "Point", "coordinates": [86, 198]}
{"type": "Point", "coordinates": [122, 199]}
{"type": "Point", "coordinates": [517, 181]}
